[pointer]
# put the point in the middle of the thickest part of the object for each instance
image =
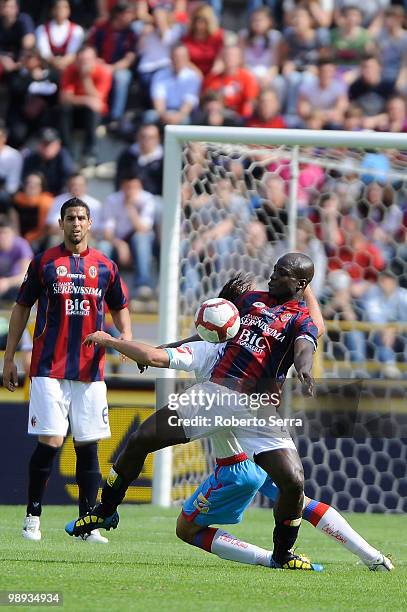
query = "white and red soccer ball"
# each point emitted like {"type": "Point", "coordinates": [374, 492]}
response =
{"type": "Point", "coordinates": [217, 320]}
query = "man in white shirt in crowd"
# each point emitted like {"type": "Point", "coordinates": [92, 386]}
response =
{"type": "Point", "coordinates": [76, 188]}
{"type": "Point", "coordinates": [60, 39]}
{"type": "Point", "coordinates": [175, 91]}
{"type": "Point", "coordinates": [11, 162]}
{"type": "Point", "coordinates": [129, 231]}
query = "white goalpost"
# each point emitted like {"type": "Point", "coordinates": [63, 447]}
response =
{"type": "Point", "coordinates": [292, 146]}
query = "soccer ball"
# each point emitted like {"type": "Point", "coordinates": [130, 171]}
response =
{"type": "Point", "coordinates": [217, 320]}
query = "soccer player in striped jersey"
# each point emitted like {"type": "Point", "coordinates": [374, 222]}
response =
{"type": "Point", "coordinates": [276, 316]}
{"type": "Point", "coordinates": [227, 492]}
{"type": "Point", "coordinates": [72, 283]}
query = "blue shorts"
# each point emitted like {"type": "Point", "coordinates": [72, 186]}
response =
{"type": "Point", "coordinates": [224, 496]}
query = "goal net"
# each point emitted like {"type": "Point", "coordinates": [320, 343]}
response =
{"type": "Point", "coordinates": [237, 199]}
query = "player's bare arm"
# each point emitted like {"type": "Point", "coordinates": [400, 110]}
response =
{"type": "Point", "coordinates": [122, 321]}
{"type": "Point", "coordinates": [18, 322]}
{"type": "Point", "coordinates": [314, 310]}
{"type": "Point", "coordinates": [303, 359]}
{"type": "Point", "coordinates": [143, 353]}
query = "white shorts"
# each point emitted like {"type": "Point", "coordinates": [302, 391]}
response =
{"type": "Point", "coordinates": [55, 403]}
{"type": "Point", "coordinates": [229, 411]}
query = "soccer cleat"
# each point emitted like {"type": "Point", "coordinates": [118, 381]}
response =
{"type": "Point", "coordinates": [381, 564]}
{"type": "Point", "coordinates": [91, 521]}
{"type": "Point", "coordinates": [95, 537]}
{"type": "Point", "coordinates": [296, 562]}
{"type": "Point", "coordinates": [31, 528]}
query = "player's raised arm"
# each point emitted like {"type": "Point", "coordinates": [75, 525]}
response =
{"type": "Point", "coordinates": [143, 353]}
{"type": "Point", "coordinates": [303, 358]}
{"type": "Point", "coordinates": [314, 310]}
{"type": "Point", "coordinates": [18, 322]}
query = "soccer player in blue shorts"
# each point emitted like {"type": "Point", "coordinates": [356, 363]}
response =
{"type": "Point", "coordinates": [224, 496]}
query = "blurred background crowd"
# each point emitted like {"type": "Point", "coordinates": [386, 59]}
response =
{"type": "Point", "coordinates": [86, 89]}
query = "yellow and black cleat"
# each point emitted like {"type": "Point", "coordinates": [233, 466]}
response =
{"type": "Point", "coordinates": [92, 520]}
{"type": "Point", "coordinates": [297, 562]}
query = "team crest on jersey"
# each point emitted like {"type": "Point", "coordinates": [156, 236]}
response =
{"type": "Point", "coordinates": [286, 317]}
{"type": "Point", "coordinates": [259, 304]}
{"type": "Point", "coordinates": [33, 421]}
{"type": "Point", "coordinates": [62, 271]}
{"type": "Point", "coordinates": [201, 504]}
{"type": "Point", "coordinates": [93, 272]}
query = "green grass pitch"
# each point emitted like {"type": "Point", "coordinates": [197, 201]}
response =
{"type": "Point", "coordinates": [145, 568]}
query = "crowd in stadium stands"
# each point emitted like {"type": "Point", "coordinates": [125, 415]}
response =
{"type": "Point", "coordinates": [69, 67]}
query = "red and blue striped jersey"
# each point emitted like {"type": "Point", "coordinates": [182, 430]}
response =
{"type": "Point", "coordinates": [72, 292]}
{"type": "Point", "coordinates": [262, 352]}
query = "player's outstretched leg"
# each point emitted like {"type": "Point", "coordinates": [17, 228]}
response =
{"type": "Point", "coordinates": [153, 434]}
{"type": "Point", "coordinates": [285, 469]}
{"type": "Point", "coordinates": [330, 522]}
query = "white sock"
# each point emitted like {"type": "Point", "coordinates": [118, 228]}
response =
{"type": "Point", "coordinates": [226, 546]}
{"type": "Point", "coordinates": [336, 527]}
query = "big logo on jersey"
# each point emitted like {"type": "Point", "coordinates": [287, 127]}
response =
{"type": "Point", "coordinates": [252, 341]}
{"type": "Point", "coordinates": [77, 307]}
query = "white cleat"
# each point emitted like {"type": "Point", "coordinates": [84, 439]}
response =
{"type": "Point", "coordinates": [31, 528]}
{"type": "Point", "coordinates": [381, 564]}
{"type": "Point", "coordinates": [95, 537]}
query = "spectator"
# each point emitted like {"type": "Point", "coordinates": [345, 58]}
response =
{"type": "Point", "coordinates": [16, 34]}
{"type": "Point", "coordinates": [272, 212]}
{"type": "Point", "coordinates": [261, 46]}
{"type": "Point", "coordinates": [33, 97]}
{"type": "Point", "coordinates": [238, 85]}
{"type": "Point", "coordinates": [392, 42]}
{"type": "Point", "coordinates": [11, 162]}
{"type": "Point", "coordinates": [212, 111]}
{"type": "Point", "coordinates": [320, 10]}
{"type": "Point", "coordinates": [15, 256]}
{"type": "Point", "coordinates": [32, 204]}
{"type": "Point", "coordinates": [76, 188]}
{"type": "Point", "coordinates": [204, 39]}
{"type": "Point", "coordinates": [51, 160]}
{"type": "Point", "coordinates": [350, 41]}
{"type": "Point", "coordinates": [381, 217]}
{"type": "Point", "coordinates": [353, 118]}
{"type": "Point", "coordinates": [394, 119]}
{"type": "Point", "coordinates": [338, 305]}
{"type": "Point", "coordinates": [370, 91]}
{"type": "Point", "coordinates": [115, 44]}
{"type": "Point", "coordinates": [129, 224]}
{"type": "Point", "coordinates": [84, 95]}
{"type": "Point", "coordinates": [143, 159]}
{"type": "Point", "coordinates": [386, 303]}
{"type": "Point", "coordinates": [222, 221]}
{"type": "Point", "coordinates": [175, 91]}
{"type": "Point", "coordinates": [371, 11]}
{"type": "Point", "coordinates": [267, 111]}
{"type": "Point", "coordinates": [154, 49]}
{"type": "Point", "coordinates": [326, 94]}
{"type": "Point", "coordinates": [59, 39]}
{"type": "Point", "coordinates": [300, 51]}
